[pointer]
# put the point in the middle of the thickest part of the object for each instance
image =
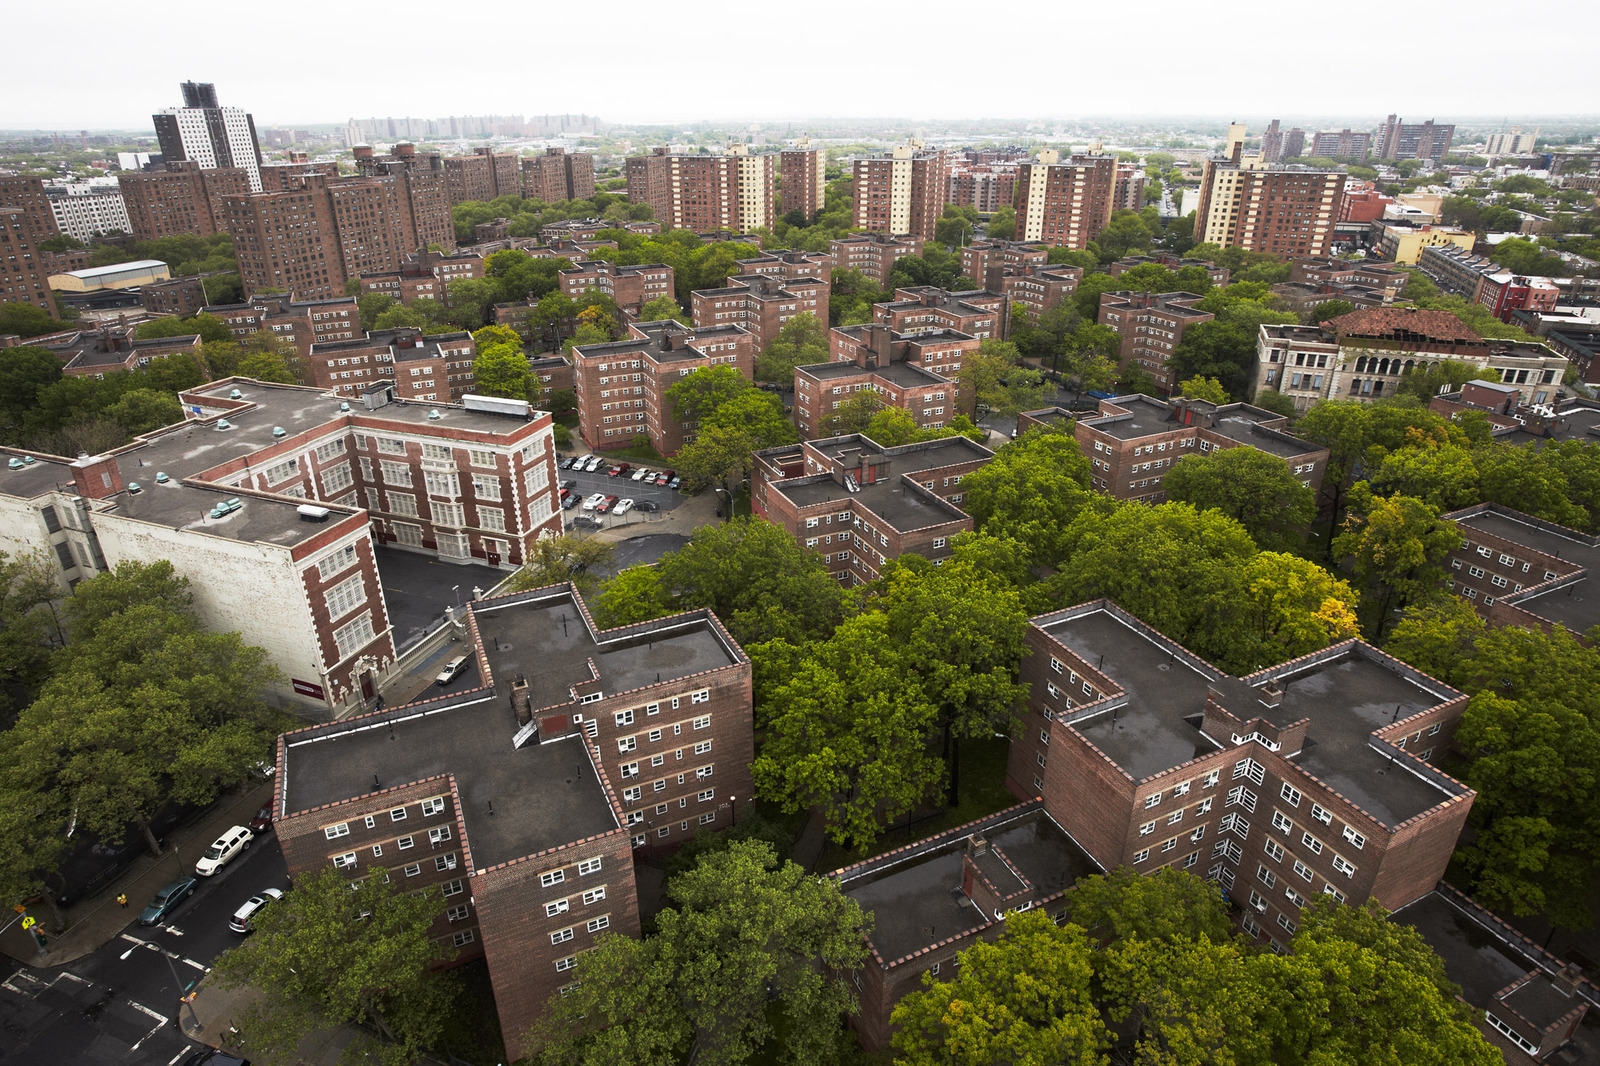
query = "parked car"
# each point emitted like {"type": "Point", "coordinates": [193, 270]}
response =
{"type": "Point", "coordinates": [240, 922]}
{"type": "Point", "coordinates": [620, 469]}
{"type": "Point", "coordinates": [569, 462]}
{"type": "Point", "coordinates": [675, 482]}
{"type": "Point", "coordinates": [593, 501]}
{"type": "Point", "coordinates": [570, 500]}
{"type": "Point", "coordinates": [604, 506]}
{"type": "Point", "coordinates": [642, 473]}
{"type": "Point", "coordinates": [593, 464]}
{"type": "Point", "coordinates": [648, 505]}
{"type": "Point", "coordinates": [622, 507]}
{"type": "Point", "coordinates": [210, 1056]}
{"type": "Point", "coordinates": [569, 483]}
{"type": "Point", "coordinates": [664, 477]}
{"type": "Point", "coordinates": [262, 822]}
{"type": "Point", "coordinates": [223, 849]}
{"type": "Point", "coordinates": [452, 670]}
{"type": "Point", "coordinates": [164, 902]}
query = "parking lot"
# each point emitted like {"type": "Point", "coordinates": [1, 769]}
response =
{"type": "Point", "coordinates": [622, 486]}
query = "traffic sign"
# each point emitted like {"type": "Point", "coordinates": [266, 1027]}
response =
{"type": "Point", "coordinates": [29, 923]}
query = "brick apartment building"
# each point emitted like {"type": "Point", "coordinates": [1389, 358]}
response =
{"type": "Point", "coordinates": [1517, 570]}
{"type": "Point", "coordinates": [621, 386]}
{"type": "Point", "coordinates": [1151, 325]}
{"type": "Point", "coordinates": [1341, 144]}
{"type": "Point", "coordinates": [181, 297]}
{"type": "Point", "coordinates": [558, 175]}
{"type": "Point", "coordinates": [1400, 241]}
{"type": "Point", "coordinates": [914, 372]}
{"type": "Point", "coordinates": [1385, 278]}
{"type": "Point", "coordinates": [1128, 193]}
{"type": "Point", "coordinates": [873, 254]}
{"type": "Point", "coordinates": [554, 374]}
{"type": "Point", "coordinates": [583, 229]}
{"type": "Point", "coordinates": [980, 313]}
{"type": "Point", "coordinates": [1309, 777]}
{"type": "Point", "coordinates": [1035, 289]}
{"type": "Point", "coordinates": [761, 304]}
{"type": "Point", "coordinates": [1219, 275]}
{"type": "Point", "coordinates": [424, 274]}
{"type": "Point", "coordinates": [630, 286]}
{"type": "Point", "coordinates": [1364, 354]}
{"type": "Point", "coordinates": [789, 265]}
{"type": "Point", "coordinates": [315, 238]}
{"type": "Point", "coordinates": [858, 504]}
{"type": "Point", "coordinates": [484, 175]}
{"type": "Point", "coordinates": [1279, 210]}
{"type": "Point", "coordinates": [901, 191]}
{"type": "Point", "coordinates": [281, 177]}
{"type": "Point", "coordinates": [434, 368]}
{"type": "Point", "coordinates": [271, 500]}
{"type": "Point", "coordinates": [109, 349]}
{"type": "Point", "coordinates": [1414, 140]}
{"type": "Point", "coordinates": [419, 200]}
{"type": "Point", "coordinates": [1134, 440]}
{"type": "Point", "coordinates": [1065, 204]}
{"type": "Point", "coordinates": [24, 269]}
{"type": "Point", "coordinates": [986, 187]}
{"type": "Point", "coordinates": [981, 257]}
{"type": "Point", "coordinates": [1014, 860]}
{"type": "Point", "coordinates": [299, 322]}
{"type": "Point", "coordinates": [534, 790]}
{"type": "Point", "coordinates": [1363, 202]}
{"type": "Point", "coordinates": [1485, 282]}
{"type": "Point", "coordinates": [803, 182]}
{"type": "Point", "coordinates": [733, 190]}
{"type": "Point", "coordinates": [182, 199]}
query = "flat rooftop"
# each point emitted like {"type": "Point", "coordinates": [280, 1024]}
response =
{"type": "Point", "coordinates": [1165, 686]}
{"type": "Point", "coordinates": [1573, 604]}
{"type": "Point", "coordinates": [543, 794]}
{"type": "Point", "coordinates": [1146, 417]}
{"type": "Point", "coordinates": [896, 373]}
{"type": "Point", "coordinates": [1246, 430]}
{"type": "Point", "coordinates": [543, 637]}
{"type": "Point", "coordinates": [917, 901]}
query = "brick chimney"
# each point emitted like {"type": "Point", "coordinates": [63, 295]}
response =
{"type": "Point", "coordinates": [973, 882]}
{"type": "Point", "coordinates": [97, 477]}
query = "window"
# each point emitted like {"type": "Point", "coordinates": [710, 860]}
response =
{"type": "Point", "coordinates": [1274, 851]}
{"type": "Point", "coordinates": [1291, 794]}
{"type": "Point", "coordinates": [703, 722]}
{"type": "Point", "coordinates": [1343, 866]}
{"type": "Point", "coordinates": [1289, 927]}
{"type": "Point", "coordinates": [1147, 828]}
{"type": "Point", "coordinates": [707, 795]}
{"type": "Point", "coordinates": [1239, 796]}
{"type": "Point", "coordinates": [346, 860]}
{"type": "Point", "coordinates": [1321, 813]}
{"type": "Point", "coordinates": [1302, 871]}
{"type": "Point", "coordinates": [1293, 897]}
{"type": "Point", "coordinates": [555, 907]}
{"type": "Point", "coordinates": [553, 877]}
{"type": "Point", "coordinates": [708, 817]}
{"type": "Point", "coordinates": [594, 895]}
{"type": "Point", "coordinates": [377, 851]}
{"type": "Point", "coordinates": [630, 769]}
{"type": "Point", "coordinates": [1141, 856]}
{"type": "Point", "coordinates": [440, 834]}
{"type": "Point", "coordinates": [334, 832]}
{"type": "Point", "coordinates": [1279, 821]}
{"type": "Point", "coordinates": [627, 744]}
{"type": "Point", "coordinates": [1151, 801]}
{"type": "Point", "coordinates": [1311, 842]}
{"type": "Point", "coordinates": [413, 869]}
{"type": "Point", "coordinates": [463, 938]}
{"type": "Point", "coordinates": [1354, 837]}
{"type": "Point", "coordinates": [1329, 890]}
{"type": "Point", "coordinates": [1249, 768]}
{"type": "Point", "coordinates": [1212, 777]}
{"type": "Point", "coordinates": [588, 866]}
{"type": "Point", "coordinates": [445, 862]}
{"type": "Point", "coordinates": [561, 936]}
{"type": "Point", "coordinates": [397, 815]}
{"type": "Point", "coordinates": [624, 718]}
{"type": "Point", "coordinates": [703, 772]}
{"type": "Point", "coordinates": [632, 795]}
{"type": "Point", "coordinates": [431, 807]}
{"type": "Point", "coordinates": [1175, 817]}
{"type": "Point", "coordinates": [1266, 876]}
{"type": "Point", "coordinates": [596, 924]}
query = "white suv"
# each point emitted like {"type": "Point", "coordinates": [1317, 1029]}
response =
{"type": "Point", "coordinates": [223, 849]}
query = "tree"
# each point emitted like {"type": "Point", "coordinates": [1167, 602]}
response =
{"type": "Point", "coordinates": [488, 335]}
{"type": "Point", "coordinates": [268, 366]}
{"type": "Point", "coordinates": [341, 952]}
{"type": "Point", "coordinates": [1343, 428]}
{"type": "Point", "coordinates": [851, 416]}
{"type": "Point", "coordinates": [758, 414]}
{"type": "Point", "coordinates": [470, 300]}
{"type": "Point", "coordinates": [1031, 491]}
{"type": "Point", "coordinates": [1286, 607]}
{"type": "Point", "coordinates": [954, 228]}
{"type": "Point", "coordinates": [700, 395]}
{"type": "Point", "coordinates": [634, 595]}
{"type": "Point", "coordinates": [746, 931]}
{"type": "Point", "coordinates": [1024, 1001]}
{"type": "Point", "coordinates": [1250, 486]}
{"type": "Point", "coordinates": [1394, 547]}
{"type": "Point", "coordinates": [1445, 477]}
{"type": "Point", "coordinates": [30, 618]}
{"type": "Point", "coordinates": [372, 306]}
{"type": "Point", "coordinates": [552, 317]}
{"type": "Point", "coordinates": [1207, 389]}
{"type": "Point", "coordinates": [756, 579]}
{"type": "Point", "coordinates": [33, 842]}
{"type": "Point", "coordinates": [1003, 226]}
{"type": "Point", "coordinates": [1276, 402]}
{"type": "Point", "coordinates": [557, 560]}
{"type": "Point", "coordinates": [25, 371]}
{"type": "Point", "coordinates": [661, 309]}
{"type": "Point", "coordinates": [209, 328]}
{"type": "Point", "coordinates": [1126, 233]}
{"type": "Point", "coordinates": [142, 410]}
{"type": "Point", "coordinates": [1167, 905]}
{"type": "Point", "coordinates": [1328, 310]}
{"type": "Point", "coordinates": [995, 379]}
{"type": "Point", "coordinates": [719, 455]}
{"type": "Point", "coordinates": [144, 707]}
{"type": "Point", "coordinates": [503, 370]}
{"type": "Point", "coordinates": [848, 733]}
{"type": "Point", "coordinates": [26, 320]}
{"type": "Point", "coordinates": [801, 341]}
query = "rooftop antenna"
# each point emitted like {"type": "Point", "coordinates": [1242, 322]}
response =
{"type": "Point", "coordinates": [376, 784]}
{"type": "Point", "coordinates": [491, 806]}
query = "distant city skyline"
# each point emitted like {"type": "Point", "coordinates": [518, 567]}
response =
{"type": "Point", "coordinates": [859, 61]}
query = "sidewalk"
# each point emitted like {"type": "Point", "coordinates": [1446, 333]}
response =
{"type": "Point", "coordinates": [694, 512]}
{"type": "Point", "coordinates": [217, 1008]}
{"type": "Point", "coordinates": [96, 920]}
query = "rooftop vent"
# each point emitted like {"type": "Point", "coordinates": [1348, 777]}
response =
{"type": "Point", "coordinates": [226, 507]}
{"type": "Point", "coordinates": [134, 489]}
{"type": "Point", "coordinates": [28, 460]}
{"type": "Point", "coordinates": [162, 478]}
{"type": "Point", "coordinates": [223, 423]}
{"type": "Point", "coordinates": [434, 415]}
{"type": "Point", "coordinates": [235, 395]}
{"type": "Point", "coordinates": [344, 407]}
{"type": "Point", "coordinates": [15, 463]}
{"type": "Point", "coordinates": [279, 432]}
{"type": "Point", "coordinates": [312, 513]}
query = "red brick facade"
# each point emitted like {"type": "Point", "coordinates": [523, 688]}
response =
{"type": "Point", "coordinates": [874, 255]}
{"type": "Point", "coordinates": [1065, 205]}
{"type": "Point", "coordinates": [630, 286]}
{"type": "Point", "coordinates": [760, 304]}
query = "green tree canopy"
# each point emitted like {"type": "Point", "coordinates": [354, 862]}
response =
{"type": "Point", "coordinates": [801, 341]}
{"type": "Point", "coordinates": [995, 378]}
{"type": "Point", "coordinates": [555, 560]}
{"type": "Point", "coordinates": [1250, 486]}
{"type": "Point", "coordinates": [209, 327]}
{"type": "Point", "coordinates": [503, 370]}
{"type": "Point", "coordinates": [1395, 547]}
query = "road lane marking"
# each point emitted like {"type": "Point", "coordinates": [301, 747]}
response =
{"type": "Point", "coordinates": [199, 966]}
{"type": "Point", "coordinates": [142, 1009]}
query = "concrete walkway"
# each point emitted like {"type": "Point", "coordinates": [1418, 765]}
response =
{"type": "Point", "coordinates": [96, 920]}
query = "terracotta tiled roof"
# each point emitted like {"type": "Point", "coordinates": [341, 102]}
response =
{"type": "Point", "coordinates": [1387, 321]}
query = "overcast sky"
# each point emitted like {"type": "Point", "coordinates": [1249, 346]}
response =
{"type": "Point", "coordinates": [683, 61]}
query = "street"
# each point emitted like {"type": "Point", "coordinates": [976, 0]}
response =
{"type": "Point", "coordinates": [116, 1006]}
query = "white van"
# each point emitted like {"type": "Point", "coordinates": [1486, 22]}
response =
{"type": "Point", "coordinates": [223, 849]}
{"type": "Point", "coordinates": [452, 670]}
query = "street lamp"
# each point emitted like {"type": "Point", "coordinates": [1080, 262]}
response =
{"type": "Point", "coordinates": [194, 1019]}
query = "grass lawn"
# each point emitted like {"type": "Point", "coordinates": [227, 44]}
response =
{"type": "Point", "coordinates": [983, 791]}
